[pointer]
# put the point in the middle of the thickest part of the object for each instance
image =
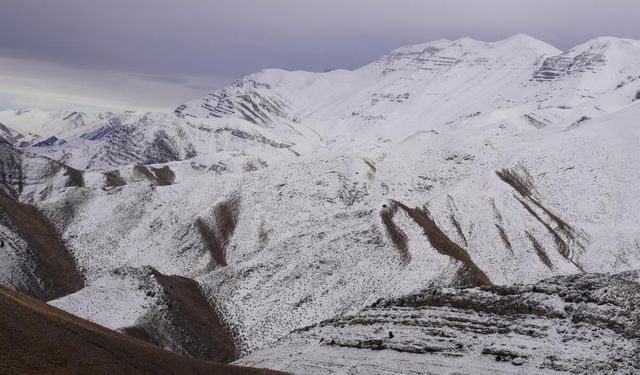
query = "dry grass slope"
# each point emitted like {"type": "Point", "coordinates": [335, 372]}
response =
{"type": "Point", "coordinates": [55, 266]}
{"type": "Point", "coordinates": [196, 328]}
{"type": "Point", "coordinates": [563, 249]}
{"type": "Point", "coordinates": [159, 176]}
{"type": "Point", "coordinates": [456, 224]}
{"type": "Point", "coordinates": [113, 179]}
{"type": "Point", "coordinates": [540, 251]}
{"type": "Point", "coordinates": [217, 236]}
{"type": "Point", "coordinates": [504, 238]}
{"type": "Point", "coordinates": [518, 183]}
{"type": "Point", "coordinates": [444, 245]}
{"type": "Point", "coordinates": [397, 236]}
{"type": "Point", "coordinates": [524, 186]}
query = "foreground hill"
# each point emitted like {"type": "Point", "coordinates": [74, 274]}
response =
{"type": "Point", "coordinates": [40, 339]}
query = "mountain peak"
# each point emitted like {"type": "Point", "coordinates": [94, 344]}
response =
{"type": "Point", "coordinates": [468, 44]}
{"type": "Point", "coordinates": [603, 44]}
{"type": "Point", "coordinates": [527, 41]}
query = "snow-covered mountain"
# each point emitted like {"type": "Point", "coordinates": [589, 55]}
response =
{"type": "Point", "coordinates": [290, 198]}
{"type": "Point", "coordinates": [433, 85]}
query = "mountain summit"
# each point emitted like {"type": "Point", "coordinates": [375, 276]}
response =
{"type": "Point", "coordinates": [440, 83]}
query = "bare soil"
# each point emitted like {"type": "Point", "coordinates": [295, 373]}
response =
{"type": "Point", "coordinates": [397, 236]}
{"type": "Point", "coordinates": [195, 324]}
{"type": "Point", "coordinates": [218, 235]}
{"type": "Point", "coordinates": [540, 251]}
{"type": "Point", "coordinates": [163, 176]}
{"type": "Point", "coordinates": [40, 339]}
{"type": "Point", "coordinates": [54, 263]}
{"type": "Point", "coordinates": [113, 179]}
{"type": "Point", "coordinates": [443, 244]}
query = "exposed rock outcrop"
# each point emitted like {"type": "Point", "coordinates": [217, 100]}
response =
{"type": "Point", "coordinates": [588, 323]}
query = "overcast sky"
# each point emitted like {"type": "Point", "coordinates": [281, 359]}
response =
{"type": "Point", "coordinates": [155, 54]}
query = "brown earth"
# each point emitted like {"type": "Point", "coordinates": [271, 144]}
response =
{"type": "Point", "coordinates": [540, 251]}
{"type": "Point", "coordinates": [523, 185]}
{"type": "Point", "coordinates": [55, 266]}
{"type": "Point", "coordinates": [113, 179]}
{"type": "Point", "coordinates": [159, 176]}
{"type": "Point", "coordinates": [40, 339]}
{"type": "Point", "coordinates": [217, 236]}
{"type": "Point", "coordinates": [193, 324]}
{"type": "Point", "coordinates": [397, 236]}
{"type": "Point", "coordinates": [443, 244]}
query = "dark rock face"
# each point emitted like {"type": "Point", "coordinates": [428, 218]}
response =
{"type": "Point", "coordinates": [36, 260]}
{"type": "Point", "coordinates": [564, 65]}
{"type": "Point", "coordinates": [48, 142]}
{"type": "Point", "coordinates": [247, 99]}
{"type": "Point", "coordinates": [11, 173]}
{"type": "Point", "coordinates": [163, 176]}
{"type": "Point", "coordinates": [585, 323]}
{"type": "Point", "coordinates": [130, 144]}
{"type": "Point", "coordinates": [19, 169]}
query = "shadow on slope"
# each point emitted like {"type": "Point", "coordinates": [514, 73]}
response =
{"type": "Point", "coordinates": [38, 338]}
{"type": "Point", "coordinates": [51, 268]}
{"type": "Point", "coordinates": [185, 322]}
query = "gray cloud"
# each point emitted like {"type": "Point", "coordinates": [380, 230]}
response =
{"type": "Point", "coordinates": [186, 45]}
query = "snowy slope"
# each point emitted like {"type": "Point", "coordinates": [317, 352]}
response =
{"type": "Point", "coordinates": [295, 197]}
{"type": "Point", "coordinates": [432, 85]}
{"type": "Point", "coordinates": [576, 324]}
{"type": "Point", "coordinates": [41, 124]}
{"type": "Point", "coordinates": [310, 240]}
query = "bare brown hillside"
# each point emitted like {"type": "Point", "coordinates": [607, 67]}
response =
{"type": "Point", "coordinates": [40, 339]}
{"type": "Point", "coordinates": [55, 268]}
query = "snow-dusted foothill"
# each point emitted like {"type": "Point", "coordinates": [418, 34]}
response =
{"type": "Point", "coordinates": [585, 323]}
